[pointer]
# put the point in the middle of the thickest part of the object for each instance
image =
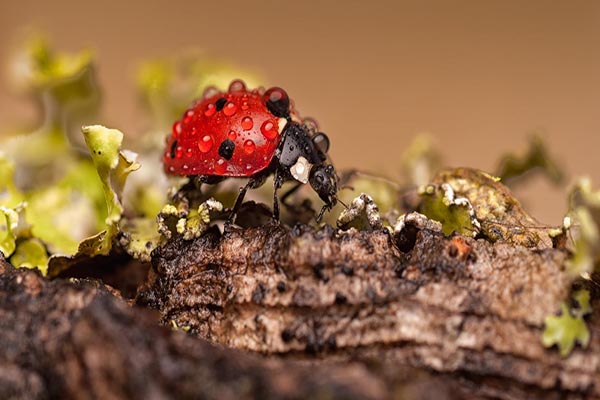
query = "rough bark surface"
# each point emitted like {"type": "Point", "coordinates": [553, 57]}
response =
{"type": "Point", "coordinates": [452, 305]}
{"type": "Point", "coordinates": [77, 340]}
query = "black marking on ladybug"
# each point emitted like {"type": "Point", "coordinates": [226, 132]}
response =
{"type": "Point", "coordinates": [278, 103]}
{"type": "Point", "coordinates": [226, 149]}
{"type": "Point", "coordinates": [220, 103]}
{"type": "Point", "coordinates": [173, 146]}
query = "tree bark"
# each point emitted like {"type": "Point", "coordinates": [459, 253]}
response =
{"type": "Point", "coordinates": [451, 305]}
{"type": "Point", "coordinates": [330, 314]}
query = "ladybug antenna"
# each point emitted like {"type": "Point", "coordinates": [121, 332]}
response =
{"type": "Point", "coordinates": [342, 203]}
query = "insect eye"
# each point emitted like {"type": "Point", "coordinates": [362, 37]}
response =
{"type": "Point", "coordinates": [277, 102]}
{"type": "Point", "coordinates": [321, 142]}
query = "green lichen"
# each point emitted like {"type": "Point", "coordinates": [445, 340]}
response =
{"type": "Point", "coordinates": [568, 328]}
{"type": "Point", "coordinates": [584, 226]}
{"type": "Point", "coordinates": [113, 166]}
{"type": "Point", "coordinates": [420, 161]}
{"type": "Point", "coordinates": [493, 211]}
{"type": "Point", "coordinates": [454, 213]}
{"type": "Point", "coordinates": [30, 253]}
{"type": "Point", "coordinates": [187, 223]}
{"type": "Point", "coordinates": [363, 215]}
{"type": "Point", "coordinates": [537, 157]}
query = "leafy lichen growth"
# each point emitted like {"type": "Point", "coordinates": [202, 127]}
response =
{"type": "Point", "coordinates": [568, 328]}
{"type": "Point", "coordinates": [184, 222]}
{"type": "Point", "coordinates": [472, 202]}
{"type": "Point", "coordinates": [537, 157]}
{"type": "Point", "coordinates": [363, 215]}
{"type": "Point", "coordinates": [584, 226]}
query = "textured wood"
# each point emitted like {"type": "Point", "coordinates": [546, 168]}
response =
{"type": "Point", "coordinates": [452, 305]}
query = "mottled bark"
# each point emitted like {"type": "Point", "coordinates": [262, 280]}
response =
{"type": "Point", "coordinates": [77, 340]}
{"type": "Point", "coordinates": [452, 305]}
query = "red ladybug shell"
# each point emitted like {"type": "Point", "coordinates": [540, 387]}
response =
{"type": "Point", "coordinates": [244, 120]}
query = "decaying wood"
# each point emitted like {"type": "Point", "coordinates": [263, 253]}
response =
{"type": "Point", "coordinates": [451, 305]}
{"type": "Point", "coordinates": [76, 339]}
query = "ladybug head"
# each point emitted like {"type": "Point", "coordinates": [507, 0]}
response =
{"type": "Point", "coordinates": [323, 180]}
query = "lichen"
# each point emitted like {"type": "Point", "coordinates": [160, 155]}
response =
{"type": "Point", "coordinates": [568, 328]}
{"type": "Point", "coordinates": [472, 202]}
{"type": "Point", "coordinates": [363, 215]}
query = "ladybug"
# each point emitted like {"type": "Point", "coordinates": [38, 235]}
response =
{"type": "Point", "coordinates": [250, 134]}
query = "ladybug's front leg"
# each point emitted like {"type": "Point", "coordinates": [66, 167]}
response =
{"type": "Point", "coordinates": [277, 184]}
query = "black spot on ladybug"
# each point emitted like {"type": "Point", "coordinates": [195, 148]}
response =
{"type": "Point", "coordinates": [278, 102]}
{"type": "Point", "coordinates": [219, 104]}
{"type": "Point", "coordinates": [173, 147]}
{"type": "Point", "coordinates": [226, 149]}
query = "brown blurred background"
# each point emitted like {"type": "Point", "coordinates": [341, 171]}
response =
{"type": "Point", "coordinates": [478, 76]}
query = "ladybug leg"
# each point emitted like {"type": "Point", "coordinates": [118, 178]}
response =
{"type": "Point", "coordinates": [239, 201]}
{"type": "Point", "coordinates": [277, 183]}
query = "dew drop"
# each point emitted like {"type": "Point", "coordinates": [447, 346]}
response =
{"type": "Point", "coordinates": [187, 117]}
{"type": "Point", "coordinates": [245, 105]}
{"type": "Point", "coordinates": [268, 129]}
{"type": "Point", "coordinates": [179, 152]}
{"type": "Point", "coordinates": [185, 167]}
{"type": "Point", "coordinates": [249, 146]}
{"type": "Point", "coordinates": [205, 144]}
{"type": "Point", "coordinates": [188, 153]}
{"type": "Point", "coordinates": [248, 167]}
{"type": "Point", "coordinates": [171, 169]}
{"type": "Point", "coordinates": [229, 109]}
{"type": "Point", "coordinates": [221, 166]}
{"type": "Point", "coordinates": [210, 91]}
{"type": "Point", "coordinates": [237, 85]}
{"type": "Point", "coordinates": [210, 110]}
{"type": "Point", "coordinates": [247, 123]}
{"type": "Point", "coordinates": [231, 135]}
{"type": "Point", "coordinates": [177, 128]}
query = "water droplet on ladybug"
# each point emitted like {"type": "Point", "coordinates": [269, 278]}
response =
{"type": "Point", "coordinates": [177, 128]}
{"type": "Point", "coordinates": [210, 91]}
{"type": "Point", "coordinates": [185, 167]}
{"type": "Point", "coordinates": [231, 135]}
{"type": "Point", "coordinates": [249, 146]}
{"type": "Point", "coordinates": [248, 167]}
{"type": "Point", "coordinates": [210, 110]}
{"type": "Point", "coordinates": [230, 109]}
{"type": "Point", "coordinates": [247, 123]}
{"type": "Point", "coordinates": [205, 144]}
{"type": "Point", "coordinates": [171, 169]}
{"type": "Point", "coordinates": [187, 117]}
{"type": "Point", "coordinates": [245, 105]}
{"type": "Point", "coordinates": [237, 85]}
{"type": "Point", "coordinates": [221, 166]}
{"type": "Point", "coordinates": [268, 129]}
{"type": "Point", "coordinates": [179, 152]}
{"type": "Point", "coordinates": [188, 153]}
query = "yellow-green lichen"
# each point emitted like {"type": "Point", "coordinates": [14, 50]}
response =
{"type": "Point", "coordinates": [568, 328]}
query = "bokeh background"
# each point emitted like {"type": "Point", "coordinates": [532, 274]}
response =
{"type": "Point", "coordinates": [477, 76]}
